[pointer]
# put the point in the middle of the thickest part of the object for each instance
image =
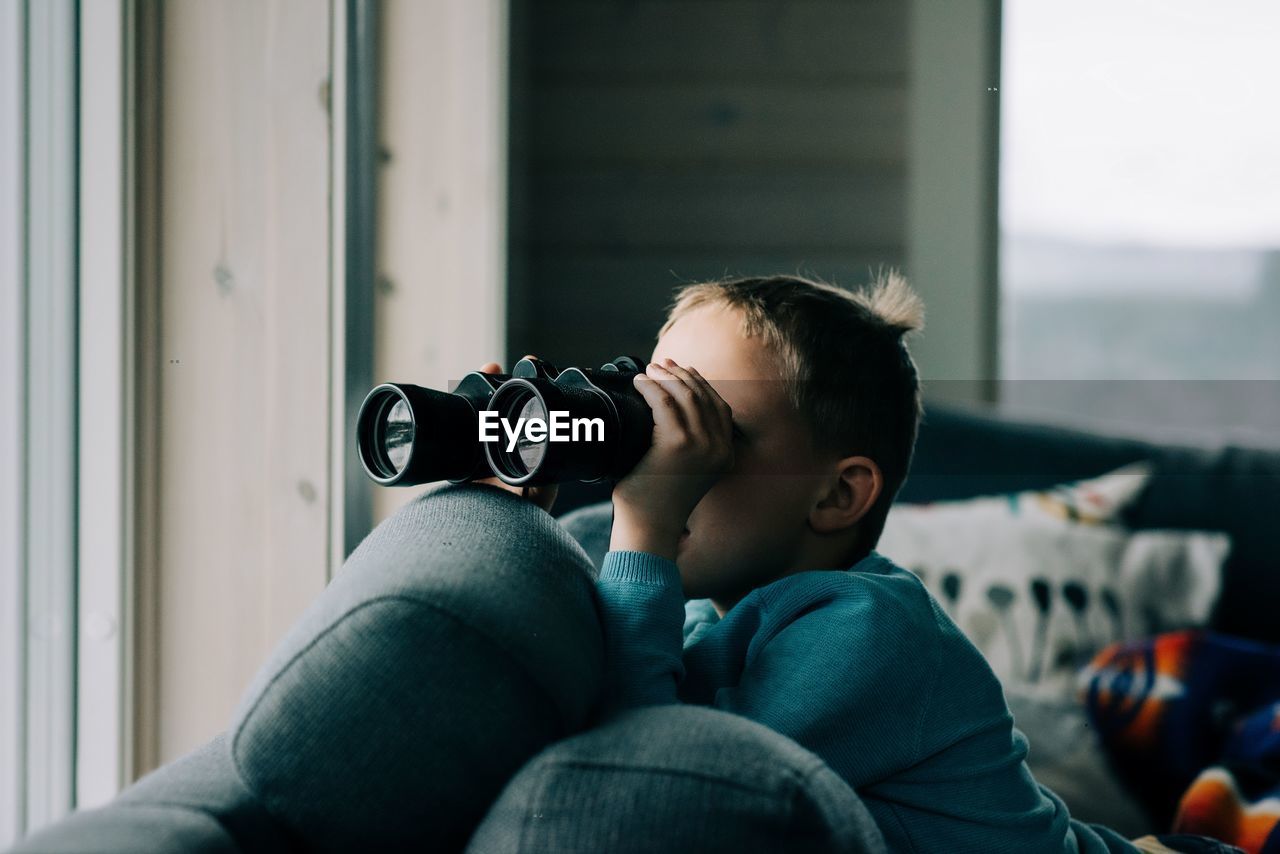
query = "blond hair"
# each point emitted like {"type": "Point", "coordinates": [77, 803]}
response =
{"type": "Point", "coordinates": [843, 362]}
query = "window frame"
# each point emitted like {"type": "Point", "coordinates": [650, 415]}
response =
{"type": "Point", "coordinates": [45, 569]}
{"type": "Point", "coordinates": [12, 347]}
{"type": "Point", "coordinates": [105, 435]}
{"type": "Point", "coordinates": [953, 158]}
{"type": "Point", "coordinates": [65, 371]}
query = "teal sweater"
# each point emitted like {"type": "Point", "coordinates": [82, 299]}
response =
{"type": "Point", "coordinates": [863, 668]}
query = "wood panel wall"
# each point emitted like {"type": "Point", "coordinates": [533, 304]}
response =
{"type": "Point", "coordinates": [442, 211]}
{"type": "Point", "coordinates": [236, 325]}
{"type": "Point", "coordinates": [237, 469]}
{"type": "Point", "coordinates": [656, 142]}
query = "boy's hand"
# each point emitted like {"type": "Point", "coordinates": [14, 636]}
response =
{"type": "Point", "coordinates": [692, 448]}
{"type": "Point", "coordinates": [543, 496]}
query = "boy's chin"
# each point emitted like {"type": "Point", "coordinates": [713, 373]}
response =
{"type": "Point", "coordinates": [693, 578]}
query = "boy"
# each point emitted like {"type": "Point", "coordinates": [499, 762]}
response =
{"type": "Point", "coordinates": [785, 414]}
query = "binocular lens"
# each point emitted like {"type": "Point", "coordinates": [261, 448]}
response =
{"type": "Point", "coordinates": [528, 453]}
{"type": "Point", "coordinates": [531, 452]}
{"type": "Point", "coordinates": [387, 432]}
{"type": "Point", "coordinates": [406, 434]}
{"type": "Point", "coordinates": [585, 430]}
{"type": "Point", "coordinates": [395, 435]}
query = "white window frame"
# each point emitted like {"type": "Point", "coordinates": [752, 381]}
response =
{"type": "Point", "coordinates": [65, 423]}
{"type": "Point", "coordinates": [12, 428]}
{"type": "Point", "coordinates": [48, 508]}
{"type": "Point", "coordinates": [105, 494]}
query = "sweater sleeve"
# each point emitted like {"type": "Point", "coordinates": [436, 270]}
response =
{"type": "Point", "coordinates": [642, 605]}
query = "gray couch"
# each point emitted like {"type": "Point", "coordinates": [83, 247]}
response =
{"type": "Point", "coordinates": [441, 695]}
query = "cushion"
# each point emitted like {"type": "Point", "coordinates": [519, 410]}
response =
{"type": "Point", "coordinates": [967, 451]}
{"type": "Point", "coordinates": [1041, 580]}
{"type": "Point", "coordinates": [196, 803]}
{"type": "Point", "coordinates": [677, 778]}
{"type": "Point", "coordinates": [459, 639]}
{"type": "Point", "coordinates": [120, 829]}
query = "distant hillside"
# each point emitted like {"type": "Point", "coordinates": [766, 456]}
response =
{"type": "Point", "coordinates": [1144, 336]}
{"type": "Point", "coordinates": [1036, 264]}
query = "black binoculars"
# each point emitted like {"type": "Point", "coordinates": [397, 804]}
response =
{"type": "Point", "coordinates": [533, 426]}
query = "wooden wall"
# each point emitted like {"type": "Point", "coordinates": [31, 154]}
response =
{"type": "Point", "coordinates": [441, 195]}
{"type": "Point", "coordinates": [239, 313]}
{"type": "Point", "coordinates": [655, 142]}
{"type": "Point", "coordinates": [236, 329]}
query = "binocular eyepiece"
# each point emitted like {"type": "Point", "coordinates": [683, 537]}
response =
{"type": "Point", "coordinates": [533, 426]}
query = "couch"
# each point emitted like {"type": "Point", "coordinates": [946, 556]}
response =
{"type": "Point", "coordinates": [361, 733]}
{"type": "Point", "coordinates": [440, 695]}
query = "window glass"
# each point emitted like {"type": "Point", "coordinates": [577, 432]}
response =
{"type": "Point", "coordinates": [1140, 210]}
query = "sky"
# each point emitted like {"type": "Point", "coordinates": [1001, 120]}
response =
{"type": "Point", "coordinates": [1143, 121]}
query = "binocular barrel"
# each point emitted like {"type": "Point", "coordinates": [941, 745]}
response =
{"type": "Point", "coordinates": [534, 426]}
{"type": "Point", "coordinates": [407, 434]}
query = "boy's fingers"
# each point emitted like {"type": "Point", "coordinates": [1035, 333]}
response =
{"type": "Point", "coordinates": [683, 391]}
{"type": "Point", "coordinates": [675, 385]}
{"type": "Point", "coordinates": [666, 409]}
{"type": "Point", "coordinates": [721, 412]}
{"type": "Point", "coordinates": [704, 397]}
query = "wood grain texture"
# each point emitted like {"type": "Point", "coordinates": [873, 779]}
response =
{"type": "Point", "coordinates": [732, 211]}
{"type": "Point", "coordinates": [764, 41]}
{"type": "Point", "coordinates": [595, 293]}
{"type": "Point", "coordinates": [711, 125]}
{"type": "Point", "coordinates": [652, 137]}
{"type": "Point", "coordinates": [242, 355]}
{"type": "Point", "coordinates": [441, 197]}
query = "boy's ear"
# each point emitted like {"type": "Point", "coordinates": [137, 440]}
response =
{"type": "Point", "coordinates": [851, 494]}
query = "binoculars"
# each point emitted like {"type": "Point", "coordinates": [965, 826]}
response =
{"type": "Point", "coordinates": [533, 426]}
